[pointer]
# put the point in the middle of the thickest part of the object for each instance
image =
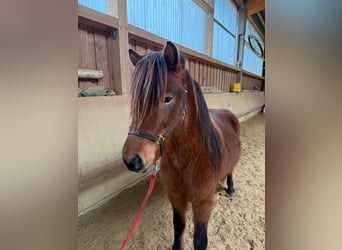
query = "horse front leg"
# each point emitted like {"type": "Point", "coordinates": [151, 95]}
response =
{"type": "Point", "coordinates": [179, 206]}
{"type": "Point", "coordinates": [230, 184]}
{"type": "Point", "coordinates": [202, 213]}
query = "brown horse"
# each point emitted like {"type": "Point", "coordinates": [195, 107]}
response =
{"type": "Point", "coordinates": [170, 120]}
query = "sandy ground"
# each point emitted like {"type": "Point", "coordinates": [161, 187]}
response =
{"type": "Point", "coordinates": [236, 223]}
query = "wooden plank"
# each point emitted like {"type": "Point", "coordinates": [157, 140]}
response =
{"type": "Point", "coordinates": [197, 71]}
{"type": "Point", "coordinates": [217, 77]}
{"type": "Point", "coordinates": [208, 74]}
{"type": "Point", "coordinates": [110, 43]}
{"type": "Point", "coordinates": [80, 45]}
{"type": "Point", "coordinates": [223, 79]}
{"type": "Point", "coordinates": [187, 63]}
{"type": "Point", "coordinates": [101, 57]}
{"type": "Point", "coordinates": [87, 49]}
{"type": "Point", "coordinates": [192, 68]}
{"type": "Point", "coordinates": [132, 43]}
{"type": "Point", "coordinates": [220, 83]}
{"type": "Point", "coordinates": [205, 74]}
{"type": "Point", "coordinates": [226, 86]}
{"type": "Point", "coordinates": [90, 74]}
{"type": "Point", "coordinates": [150, 47]}
{"type": "Point", "coordinates": [212, 75]}
{"type": "Point", "coordinates": [200, 73]}
{"type": "Point", "coordinates": [141, 47]}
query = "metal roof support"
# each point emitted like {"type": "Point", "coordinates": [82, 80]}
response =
{"type": "Point", "coordinates": [242, 17]}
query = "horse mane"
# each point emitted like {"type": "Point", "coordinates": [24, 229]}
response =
{"type": "Point", "coordinates": [148, 85]}
{"type": "Point", "coordinates": [209, 135]}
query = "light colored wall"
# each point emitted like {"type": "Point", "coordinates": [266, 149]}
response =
{"type": "Point", "coordinates": [102, 129]}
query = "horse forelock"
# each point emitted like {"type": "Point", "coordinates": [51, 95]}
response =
{"type": "Point", "coordinates": [148, 86]}
{"type": "Point", "coordinates": [209, 135]}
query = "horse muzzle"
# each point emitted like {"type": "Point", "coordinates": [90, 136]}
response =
{"type": "Point", "coordinates": [135, 164]}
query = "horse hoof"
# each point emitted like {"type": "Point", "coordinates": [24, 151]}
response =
{"type": "Point", "coordinates": [231, 193]}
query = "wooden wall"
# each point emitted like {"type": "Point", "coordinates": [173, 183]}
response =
{"type": "Point", "coordinates": [251, 83]}
{"type": "Point", "coordinates": [96, 53]}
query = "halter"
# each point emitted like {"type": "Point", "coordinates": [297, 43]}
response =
{"type": "Point", "coordinates": [159, 139]}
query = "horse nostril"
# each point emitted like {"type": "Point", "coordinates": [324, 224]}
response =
{"type": "Point", "coordinates": [135, 164]}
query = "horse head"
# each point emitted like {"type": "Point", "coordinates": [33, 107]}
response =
{"type": "Point", "coordinates": [158, 104]}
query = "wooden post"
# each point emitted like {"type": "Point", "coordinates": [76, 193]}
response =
{"type": "Point", "coordinates": [121, 63]}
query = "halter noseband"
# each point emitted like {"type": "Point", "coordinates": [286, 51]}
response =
{"type": "Point", "coordinates": [159, 139]}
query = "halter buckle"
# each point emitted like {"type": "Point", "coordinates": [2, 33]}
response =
{"type": "Point", "coordinates": [160, 139]}
{"type": "Point", "coordinates": [155, 167]}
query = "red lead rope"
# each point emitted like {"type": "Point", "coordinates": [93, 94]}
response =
{"type": "Point", "coordinates": [141, 209]}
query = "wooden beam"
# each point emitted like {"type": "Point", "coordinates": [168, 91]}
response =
{"type": "Point", "coordinates": [254, 6]}
{"type": "Point", "coordinates": [88, 73]}
{"type": "Point", "coordinates": [121, 65]}
{"type": "Point", "coordinates": [102, 20]}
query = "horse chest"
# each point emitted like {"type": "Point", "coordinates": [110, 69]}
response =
{"type": "Point", "coordinates": [189, 182]}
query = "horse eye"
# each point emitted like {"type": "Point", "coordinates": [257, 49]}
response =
{"type": "Point", "coordinates": [167, 99]}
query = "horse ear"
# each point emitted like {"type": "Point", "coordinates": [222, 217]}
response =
{"type": "Point", "coordinates": [171, 55]}
{"type": "Point", "coordinates": [134, 56]}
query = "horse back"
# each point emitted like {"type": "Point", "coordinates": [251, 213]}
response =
{"type": "Point", "coordinates": [228, 128]}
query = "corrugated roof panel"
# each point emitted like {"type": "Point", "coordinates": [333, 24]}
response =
{"type": "Point", "coordinates": [226, 13]}
{"type": "Point", "coordinates": [224, 45]}
{"type": "Point", "coordinates": [98, 5]}
{"type": "Point", "coordinates": [251, 62]}
{"type": "Point", "coordinates": [181, 21]}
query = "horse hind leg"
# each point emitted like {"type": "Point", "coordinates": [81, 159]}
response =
{"type": "Point", "coordinates": [230, 184]}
